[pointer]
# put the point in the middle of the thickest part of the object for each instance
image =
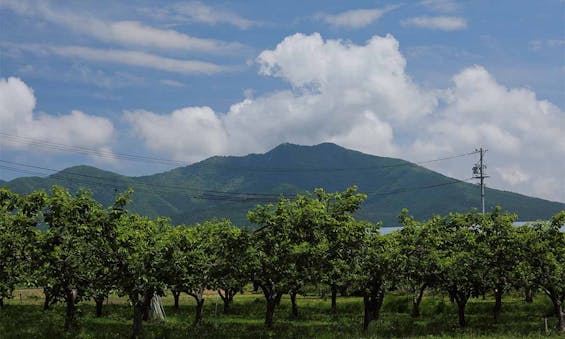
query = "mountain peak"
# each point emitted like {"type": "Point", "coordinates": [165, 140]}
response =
{"type": "Point", "coordinates": [227, 187]}
{"type": "Point", "coordinates": [85, 170]}
{"type": "Point", "coordinates": [289, 147]}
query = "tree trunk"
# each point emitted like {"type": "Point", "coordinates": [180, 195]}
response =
{"type": "Point", "coordinates": [558, 310]}
{"type": "Point", "coordinates": [497, 303]}
{"type": "Point", "coordinates": [372, 302]}
{"type": "Point", "coordinates": [199, 305]}
{"type": "Point", "coordinates": [138, 310]}
{"type": "Point", "coordinates": [47, 301]}
{"type": "Point", "coordinates": [334, 299]}
{"type": "Point", "coordinates": [227, 298]}
{"type": "Point", "coordinates": [278, 298]}
{"type": "Point", "coordinates": [451, 297]}
{"type": "Point", "coordinates": [70, 314]}
{"type": "Point", "coordinates": [294, 306]}
{"type": "Point", "coordinates": [369, 303]}
{"type": "Point", "coordinates": [147, 296]}
{"type": "Point", "coordinates": [379, 304]}
{"type": "Point", "coordinates": [1, 302]}
{"type": "Point", "coordinates": [417, 300]}
{"type": "Point", "coordinates": [560, 316]}
{"type": "Point", "coordinates": [271, 304]}
{"type": "Point", "coordinates": [461, 303]}
{"type": "Point", "coordinates": [99, 302]}
{"type": "Point", "coordinates": [176, 295]}
{"type": "Point", "coordinates": [271, 297]}
{"type": "Point", "coordinates": [529, 294]}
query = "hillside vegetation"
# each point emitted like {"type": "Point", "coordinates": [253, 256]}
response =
{"type": "Point", "coordinates": [214, 187]}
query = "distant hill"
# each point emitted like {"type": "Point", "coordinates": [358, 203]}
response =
{"type": "Point", "coordinates": [228, 186]}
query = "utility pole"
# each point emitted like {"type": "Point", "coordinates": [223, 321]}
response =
{"type": "Point", "coordinates": [479, 172]}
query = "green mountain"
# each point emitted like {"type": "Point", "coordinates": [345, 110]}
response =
{"type": "Point", "coordinates": [227, 187]}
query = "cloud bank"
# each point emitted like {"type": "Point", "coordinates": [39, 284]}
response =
{"type": "Point", "coordinates": [123, 32]}
{"type": "Point", "coordinates": [17, 118]}
{"type": "Point", "coordinates": [361, 97]}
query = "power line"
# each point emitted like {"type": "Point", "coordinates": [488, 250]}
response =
{"type": "Point", "coordinates": [88, 151]}
{"type": "Point", "coordinates": [342, 169]}
{"type": "Point", "coordinates": [454, 181]}
{"type": "Point", "coordinates": [228, 196]}
{"type": "Point", "coordinates": [157, 160]}
{"type": "Point", "coordinates": [67, 172]}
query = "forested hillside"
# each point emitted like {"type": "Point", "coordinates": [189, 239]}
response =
{"type": "Point", "coordinates": [228, 186]}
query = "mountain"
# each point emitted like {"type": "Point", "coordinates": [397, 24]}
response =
{"type": "Point", "coordinates": [228, 186]}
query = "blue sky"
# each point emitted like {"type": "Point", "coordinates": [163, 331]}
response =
{"type": "Point", "coordinates": [187, 80]}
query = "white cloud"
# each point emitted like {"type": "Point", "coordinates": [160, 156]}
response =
{"type": "Point", "coordinates": [444, 23]}
{"type": "Point", "coordinates": [196, 11]}
{"type": "Point", "coordinates": [172, 83]}
{"type": "Point", "coordinates": [361, 97]}
{"type": "Point", "coordinates": [512, 175]}
{"type": "Point", "coordinates": [537, 45]}
{"type": "Point", "coordinates": [17, 117]}
{"type": "Point", "coordinates": [141, 59]}
{"type": "Point", "coordinates": [127, 33]}
{"type": "Point", "coordinates": [187, 134]}
{"type": "Point", "coordinates": [446, 6]}
{"type": "Point", "coordinates": [127, 57]}
{"type": "Point", "coordinates": [341, 91]}
{"type": "Point", "coordinates": [355, 18]}
{"type": "Point", "coordinates": [523, 134]}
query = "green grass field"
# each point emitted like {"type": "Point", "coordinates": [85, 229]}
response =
{"type": "Point", "coordinates": [23, 317]}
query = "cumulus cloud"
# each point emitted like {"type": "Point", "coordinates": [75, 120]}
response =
{"type": "Point", "coordinates": [361, 97]}
{"type": "Point", "coordinates": [523, 133]}
{"type": "Point", "coordinates": [444, 23]}
{"type": "Point", "coordinates": [355, 18]}
{"type": "Point", "coordinates": [128, 33]}
{"type": "Point", "coordinates": [187, 134]}
{"type": "Point", "coordinates": [512, 175]}
{"type": "Point", "coordinates": [339, 89]}
{"type": "Point", "coordinates": [17, 117]}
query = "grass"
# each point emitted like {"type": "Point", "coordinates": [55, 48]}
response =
{"type": "Point", "coordinates": [23, 317]}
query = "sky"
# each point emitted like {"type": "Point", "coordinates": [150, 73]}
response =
{"type": "Point", "coordinates": [140, 87]}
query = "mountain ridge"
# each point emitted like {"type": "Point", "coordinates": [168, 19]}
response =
{"type": "Point", "coordinates": [228, 186]}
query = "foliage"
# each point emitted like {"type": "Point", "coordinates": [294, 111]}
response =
{"type": "Point", "coordinates": [544, 261]}
{"type": "Point", "coordinates": [19, 217]}
{"type": "Point", "coordinates": [139, 244]}
{"type": "Point", "coordinates": [344, 237]}
{"type": "Point", "coordinates": [416, 261]}
{"type": "Point", "coordinates": [290, 245]}
{"type": "Point", "coordinates": [68, 247]}
{"type": "Point", "coordinates": [170, 193]}
{"type": "Point", "coordinates": [461, 270]}
{"type": "Point", "coordinates": [76, 250]}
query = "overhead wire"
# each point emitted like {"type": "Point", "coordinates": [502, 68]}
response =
{"type": "Point", "coordinates": [87, 151]}
{"type": "Point", "coordinates": [155, 188]}
{"type": "Point", "coordinates": [157, 160]}
{"type": "Point", "coordinates": [176, 187]}
{"type": "Point", "coordinates": [214, 195]}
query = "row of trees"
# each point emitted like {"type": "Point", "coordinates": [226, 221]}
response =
{"type": "Point", "coordinates": [75, 249]}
